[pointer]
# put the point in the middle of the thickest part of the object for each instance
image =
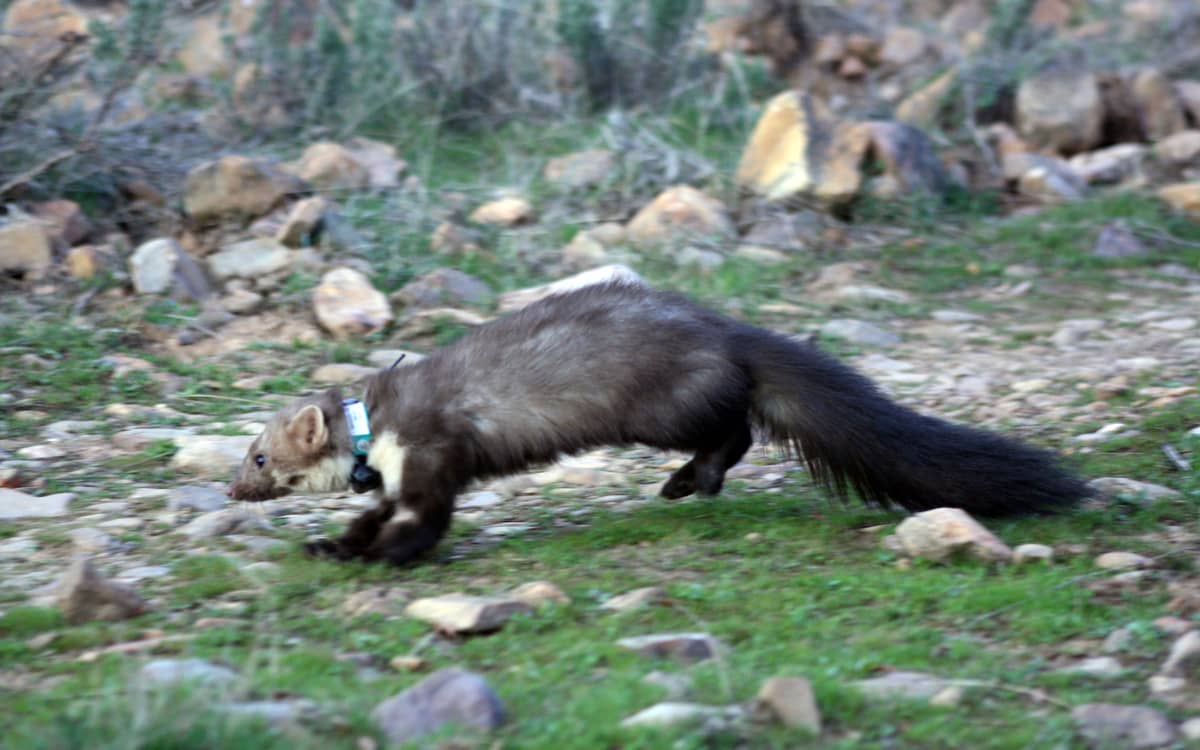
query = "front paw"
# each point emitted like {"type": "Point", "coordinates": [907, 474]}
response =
{"type": "Point", "coordinates": [328, 548]}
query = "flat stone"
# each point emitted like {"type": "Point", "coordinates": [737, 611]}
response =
{"type": "Point", "coordinates": [251, 259]}
{"type": "Point", "coordinates": [1123, 561]}
{"type": "Point", "coordinates": [904, 685]}
{"type": "Point", "coordinates": [172, 672]}
{"type": "Point", "coordinates": [203, 499]}
{"type": "Point", "coordinates": [84, 595]}
{"type": "Point", "coordinates": [1026, 553]}
{"type": "Point", "coordinates": [1133, 727]}
{"type": "Point", "coordinates": [341, 373]}
{"type": "Point", "coordinates": [635, 599]}
{"type": "Point", "coordinates": [538, 593]}
{"type": "Point", "coordinates": [673, 714]}
{"type": "Point", "coordinates": [451, 696]}
{"type": "Point", "coordinates": [504, 212]}
{"type": "Point", "coordinates": [462, 613]}
{"type": "Point", "coordinates": [275, 713]}
{"type": "Point", "coordinates": [215, 455]}
{"type": "Point", "coordinates": [1184, 656]}
{"type": "Point", "coordinates": [943, 533]}
{"type": "Point", "coordinates": [685, 647]}
{"type": "Point", "coordinates": [791, 700]}
{"type": "Point", "coordinates": [44, 452]}
{"type": "Point", "coordinates": [14, 504]}
{"type": "Point", "coordinates": [859, 332]}
{"type": "Point", "coordinates": [1103, 667]}
{"type": "Point", "coordinates": [347, 304]}
{"type": "Point", "coordinates": [679, 213]}
{"type": "Point", "coordinates": [222, 522]}
{"type": "Point", "coordinates": [1190, 729]}
{"type": "Point", "coordinates": [1122, 486]}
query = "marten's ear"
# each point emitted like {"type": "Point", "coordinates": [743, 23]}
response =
{"type": "Point", "coordinates": [308, 428]}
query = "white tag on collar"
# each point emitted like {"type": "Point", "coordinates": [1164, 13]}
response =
{"type": "Point", "coordinates": [358, 425]}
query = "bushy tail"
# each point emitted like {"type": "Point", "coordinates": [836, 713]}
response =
{"type": "Point", "coordinates": [851, 435]}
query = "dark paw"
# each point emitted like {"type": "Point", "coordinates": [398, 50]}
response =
{"type": "Point", "coordinates": [677, 487]}
{"type": "Point", "coordinates": [325, 548]}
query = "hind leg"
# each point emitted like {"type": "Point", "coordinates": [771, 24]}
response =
{"type": "Point", "coordinates": [705, 473]}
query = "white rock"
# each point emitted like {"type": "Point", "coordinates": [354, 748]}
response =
{"type": "Point", "coordinates": [462, 613]}
{"type": "Point", "coordinates": [942, 533]}
{"type": "Point", "coordinates": [14, 504]}
{"type": "Point", "coordinates": [1025, 553]}
{"type": "Point", "coordinates": [671, 714]}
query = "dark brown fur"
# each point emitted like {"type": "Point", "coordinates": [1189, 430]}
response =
{"type": "Point", "coordinates": [618, 364]}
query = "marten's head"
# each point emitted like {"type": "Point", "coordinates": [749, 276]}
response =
{"type": "Point", "coordinates": [303, 448]}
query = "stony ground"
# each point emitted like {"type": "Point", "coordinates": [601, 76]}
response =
{"type": "Point", "coordinates": [126, 438]}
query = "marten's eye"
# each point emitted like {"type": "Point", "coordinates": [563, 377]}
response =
{"type": "Point", "coordinates": [259, 460]}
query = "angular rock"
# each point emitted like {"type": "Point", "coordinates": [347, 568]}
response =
{"type": "Point", "coordinates": [1123, 561]}
{"type": "Point", "coordinates": [799, 149]}
{"type": "Point", "coordinates": [330, 166]}
{"type": "Point", "coordinates": [1134, 727]}
{"type": "Point", "coordinates": [1161, 111]}
{"type": "Point", "coordinates": [859, 332]}
{"type": "Point", "coordinates": [512, 301]}
{"type": "Point", "coordinates": [377, 600]}
{"type": "Point", "coordinates": [537, 593]}
{"type": "Point", "coordinates": [791, 700]}
{"type": "Point", "coordinates": [241, 301]}
{"type": "Point", "coordinates": [902, 685]}
{"type": "Point", "coordinates": [1116, 240]}
{"type": "Point", "coordinates": [679, 213]}
{"type": "Point", "coordinates": [216, 455]}
{"type": "Point", "coordinates": [446, 697]}
{"type": "Point", "coordinates": [236, 187]}
{"type": "Point", "coordinates": [504, 212]}
{"type": "Point", "coordinates": [89, 540]}
{"type": "Point", "coordinates": [1061, 109]}
{"type": "Point", "coordinates": [1183, 197]}
{"type": "Point", "coordinates": [635, 599]}
{"type": "Point", "coordinates": [462, 613]}
{"type": "Point", "coordinates": [64, 221]}
{"type": "Point", "coordinates": [580, 170]}
{"type": "Point", "coordinates": [223, 522]}
{"type": "Point", "coordinates": [84, 595]}
{"type": "Point", "coordinates": [383, 166]}
{"type": "Point", "coordinates": [1179, 149]}
{"type": "Point", "coordinates": [251, 259]}
{"type": "Point", "coordinates": [14, 504]}
{"type": "Point", "coordinates": [203, 499]}
{"type": "Point", "coordinates": [1050, 186]}
{"type": "Point", "coordinates": [346, 304]}
{"type": "Point", "coordinates": [165, 673]}
{"type": "Point", "coordinates": [902, 46]}
{"type": "Point", "coordinates": [162, 265]}
{"type": "Point", "coordinates": [1110, 166]}
{"type": "Point", "coordinates": [942, 533]}
{"type": "Point", "coordinates": [303, 221]}
{"type": "Point", "coordinates": [1184, 656]}
{"type": "Point", "coordinates": [1113, 487]}
{"type": "Point", "coordinates": [442, 286]}
{"type": "Point", "coordinates": [684, 647]}
{"type": "Point", "coordinates": [25, 249]}
{"type": "Point", "coordinates": [674, 714]}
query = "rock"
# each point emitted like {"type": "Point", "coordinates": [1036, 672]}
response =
{"type": "Point", "coordinates": [1113, 487]}
{"type": "Point", "coordinates": [448, 696]}
{"type": "Point", "coordinates": [377, 600]}
{"type": "Point", "coordinates": [25, 249]}
{"type": "Point", "coordinates": [251, 259]}
{"type": "Point", "coordinates": [33, 29]}
{"type": "Point", "coordinates": [161, 266]}
{"type": "Point", "coordinates": [42, 452]}
{"type": "Point", "coordinates": [585, 251]}
{"type": "Point", "coordinates": [1061, 109]}
{"type": "Point", "coordinates": [1050, 186]}
{"type": "Point", "coordinates": [791, 700]}
{"type": "Point", "coordinates": [383, 166]}
{"type": "Point", "coordinates": [440, 287]}
{"type": "Point", "coordinates": [1026, 553]}
{"type": "Point", "coordinates": [1183, 197]}
{"type": "Point", "coordinates": [673, 714]}
{"type": "Point", "coordinates": [1190, 729]}
{"type": "Point", "coordinates": [346, 304]}
{"type": "Point", "coordinates": [616, 273]}
{"type": "Point", "coordinates": [1109, 166]}
{"type": "Point", "coordinates": [1184, 656]}
{"type": "Point", "coordinates": [799, 149]}
{"type": "Point", "coordinates": [223, 522]}
{"type": "Point", "coordinates": [341, 373]}
{"type": "Point", "coordinates": [462, 613]}
{"type": "Point", "coordinates": [902, 46]}
{"type": "Point", "coordinates": [277, 714]}
{"type": "Point", "coordinates": [1162, 113]}
{"type": "Point", "coordinates": [83, 262]}
{"type": "Point", "coordinates": [84, 595]}
{"type": "Point", "coordinates": [1116, 240]}
{"type": "Point", "coordinates": [236, 187]}
{"type": "Point", "coordinates": [330, 166]}
{"type": "Point", "coordinates": [196, 497]}
{"type": "Point", "coordinates": [685, 647]}
{"type": "Point", "coordinates": [580, 170]}
{"type": "Point", "coordinates": [537, 593]}
{"type": "Point", "coordinates": [216, 455]}
{"type": "Point", "coordinates": [408, 663]}
{"type": "Point", "coordinates": [1117, 641]}
{"type": "Point", "coordinates": [1133, 727]}
{"type": "Point", "coordinates": [1161, 685]}
{"type": "Point", "coordinates": [504, 212]}
{"type": "Point", "coordinates": [1189, 96]}
{"type": "Point", "coordinates": [947, 697]}
{"type": "Point", "coordinates": [903, 685]}
{"type": "Point", "coordinates": [1179, 149]}
{"type": "Point", "coordinates": [907, 156]}
{"type": "Point", "coordinates": [14, 504]}
{"type": "Point", "coordinates": [451, 238]}
{"type": "Point", "coordinates": [166, 673]}
{"type": "Point", "coordinates": [942, 533]}
{"type": "Point", "coordinates": [241, 301]}
{"type": "Point", "coordinates": [679, 213]}
{"type": "Point", "coordinates": [635, 599]}
{"type": "Point", "coordinates": [1123, 561]}
{"type": "Point", "coordinates": [923, 107]}
{"type": "Point", "coordinates": [859, 332]}
{"type": "Point", "coordinates": [303, 222]}
{"type": "Point", "coordinates": [89, 540]}
{"type": "Point", "coordinates": [1102, 667]}
{"type": "Point", "coordinates": [64, 222]}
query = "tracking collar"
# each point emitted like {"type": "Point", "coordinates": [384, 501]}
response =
{"type": "Point", "coordinates": [362, 477]}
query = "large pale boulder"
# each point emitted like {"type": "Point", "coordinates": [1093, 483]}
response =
{"type": "Point", "coordinates": [1159, 105]}
{"type": "Point", "coordinates": [236, 187]}
{"type": "Point", "coordinates": [1061, 109]}
{"type": "Point", "coordinates": [25, 249]}
{"type": "Point", "coordinates": [679, 212]}
{"type": "Point", "coordinates": [942, 533]}
{"type": "Point", "coordinates": [251, 259]}
{"type": "Point", "coordinates": [346, 304]}
{"type": "Point", "coordinates": [162, 266]}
